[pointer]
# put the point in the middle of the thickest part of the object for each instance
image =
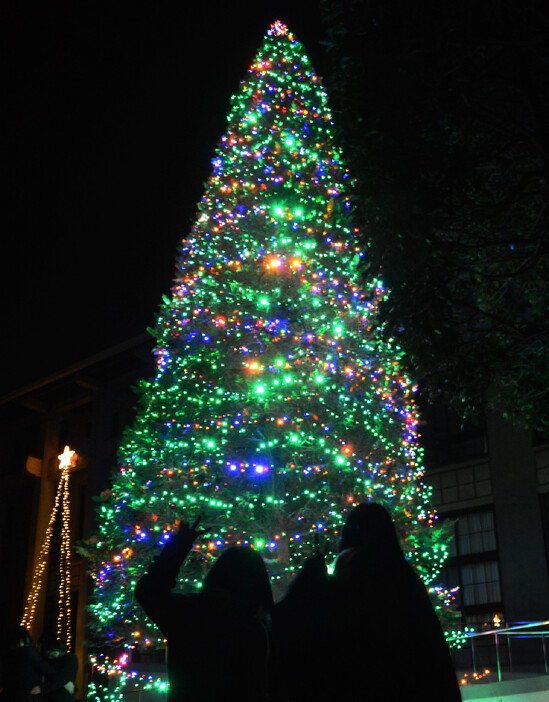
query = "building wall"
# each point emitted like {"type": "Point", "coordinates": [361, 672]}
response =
{"type": "Point", "coordinates": [492, 481]}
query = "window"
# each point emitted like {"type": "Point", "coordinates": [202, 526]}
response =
{"type": "Point", "coordinates": [472, 563]}
{"type": "Point", "coordinates": [460, 484]}
{"type": "Point", "coordinates": [542, 466]}
{"type": "Point", "coordinates": [476, 532]}
{"type": "Point", "coordinates": [480, 583]}
{"type": "Point", "coordinates": [544, 508]}
{"type": "Point", "coordinates": [446, 438]}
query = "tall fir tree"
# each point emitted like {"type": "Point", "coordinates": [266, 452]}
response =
{"type": "Point", "coordinates": [276, 407]}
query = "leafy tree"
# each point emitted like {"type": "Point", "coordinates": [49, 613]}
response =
{"type": "Point", "coordinates": [443, 115]}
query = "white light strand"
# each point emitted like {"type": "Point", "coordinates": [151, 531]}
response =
{"type": "Point", "coordinates": [37, 576]}
{"type": "Point", "coordinates": [64, 612]}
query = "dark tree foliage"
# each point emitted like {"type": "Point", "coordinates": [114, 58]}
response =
{"type": "Point", "coordinates": [443, 111]}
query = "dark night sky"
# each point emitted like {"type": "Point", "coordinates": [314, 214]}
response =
{"type": "Point", "coordinates": [113, 113]}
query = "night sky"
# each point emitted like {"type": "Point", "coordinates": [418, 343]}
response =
{"type": "Point", "coordinates": [113, 113]}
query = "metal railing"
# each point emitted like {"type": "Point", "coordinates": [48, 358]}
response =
{"type": "Point", "coordinates": [503, 636]}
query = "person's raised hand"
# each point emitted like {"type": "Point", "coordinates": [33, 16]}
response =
{"type": "Point", "coordinates": [320, 547]}
{"type": "Point", "coordinates": [189, 532]}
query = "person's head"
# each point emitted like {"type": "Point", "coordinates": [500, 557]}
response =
{"type": "Point", "coordinates": [18, 637]}
{"type": "Point", "coordinates": [240, 571]}
{"type": "Point", "coordinates": [51, 647]}
{"type": "Point", "coordinates": [369, 527]}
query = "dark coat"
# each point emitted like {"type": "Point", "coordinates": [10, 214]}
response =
{"type": "Point", "coordinates": [367, 633]}
{"type": "Point", "coordinates": [392, 644]}
{"type": "Point", "coordinates": [383, 604]}
{"type": "Point", "coordinates": [305, 632]}
{"type": "Point", "coordinates": [65, 669]}
{"type": "Point", "coordinates": [217, 647]}
{"type": "Point", "coordinates": [22, 669]}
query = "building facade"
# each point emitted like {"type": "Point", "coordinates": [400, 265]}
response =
{"type": "Point", "coordinates": [492, 481]}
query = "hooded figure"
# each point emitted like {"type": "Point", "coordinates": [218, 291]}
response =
{"type": "Point", "coordinates": [23, 668]}
{"type": "Point", "coordinates": [217, 639]}
{"type": "Point", "coordinates": [58, 687]}
{"type": "Point", "coordinates": [395, 647]}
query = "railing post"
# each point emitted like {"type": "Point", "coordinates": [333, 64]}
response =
{"type": "Point", "coordinates": [544, 653]}
{"type": "Point", "coordinates": [473, 655]}
{"type": "Point", "coordinates": [497, 657]}
{"type": "Point", "coordinates": [508, 637]}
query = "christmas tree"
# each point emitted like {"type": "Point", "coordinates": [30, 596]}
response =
{"type": "Point", "coordinates": [276, 406]}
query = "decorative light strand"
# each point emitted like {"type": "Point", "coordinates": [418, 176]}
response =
{"type": "Point", "coordinates": [64, 616]}
{"type": "Point", "coordinates": [62, 499]}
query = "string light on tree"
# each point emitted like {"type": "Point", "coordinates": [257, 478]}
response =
{"type": "Point", "coordinates": [276, 406]}
{"type": "Point", "coordinates": [61, 504]}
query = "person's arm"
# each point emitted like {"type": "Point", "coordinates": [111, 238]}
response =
{"type": "Point", "coordinates": [39, 663]}
{"type": "Point", "coordinates": [41, 666]}
{"type": "Point", "coordinates": [153, 591]}
{"type": "Point", "coordinates": [65, 673]}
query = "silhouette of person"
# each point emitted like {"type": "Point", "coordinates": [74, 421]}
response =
{"type": "Point", "coordinates": [59, 685]}
{"type": "Point", "coordinates": [394, 647]}
{"type": "Point", "coordinates": [218, 638]}
{"type": "Point", "coordinates": [304, 634]}
{"type": "Point", "coordinates": [23, 668]}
